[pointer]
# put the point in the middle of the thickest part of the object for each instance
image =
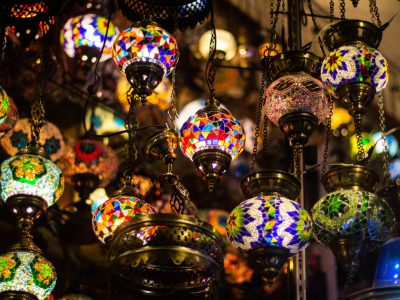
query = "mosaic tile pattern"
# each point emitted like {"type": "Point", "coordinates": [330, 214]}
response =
{"type": "Point", "coordinates": [90, 156]}
{"type": "Point", "coordinates": [83, 37]}
{"type": "Point", "coordinates": [216, 217]}
{"type": "Point", "coordinates": [355, 63]}
{"type": "Point", "coordinates": [149, 43]}
{"type": "Point", "coordinates": [115, 212]}
{"type": "Point", "coordinates": [50, 138]}
{"type": "Point", "coordinates": [212, 130]}
{"type": "Point", "coordinates": [296, 93]}
{"type": "Point", "coordinates": [28, 272]}
{"type": "Point", "coordinates": [269, 221]}
{"type": "Point", "coordinates": [8, 113]}
{"type": "Point", "coordinates": [351, 214]}
{"type": "Point", "coordinates": [31, 175]}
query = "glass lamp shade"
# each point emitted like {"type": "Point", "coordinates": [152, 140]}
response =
{"type": "Point", "coordinates": [340, 118]}
{"type": "Point", "coordinates": [33, 175]}
{"type": "Point", "coordinates": [161, 96]}
{"type": "Point", "coordinates": [387, 271]}
{"type": "Point", "coordinates": [83, 37]}
{"type": "Point", "coordinates": [216, 217]}
{"type": "Point", "coordinates": [8, 113]}
{"type": "Point", "coordinates": [50, 138]}
{"type": "Point", "coordinates": [392, 143]}
{"type": "Point", "coordinates": [394, 169]}
{"type": "Point", "coordinates": [226, 44]}
{"type": "Point", "coordinates": [26, 271]}
{"type": "Point", "coordinates": [208, 130]}
{"type": "Point", "coordinates": [269, 221]}
{"type": "Point", "coordinates": [296, 93]}
{"type": "Point", "coordinates": [88, 156]}
{"type": "Point", "coordinates": [115, 212]}
{"type": "Point", "coordinates": [358, 215]}
{"type": "Point", "coordinates": [146, 43]}
{"type": "Point", "coordinates": [355, 63]}
{"type": "Point", "coordinates": [367, 142]}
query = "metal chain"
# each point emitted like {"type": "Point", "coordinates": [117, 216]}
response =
{"type": "Point", "coordinates": [172, 112]}
{"type": "Point", "coordinates": [211, 71]}
{"type": "Point", "coordinates": [317, 29]}
{"type": "Point", "coordinates": [132, 124]}
{"type": "Point", "coordinates": [327, 136]}
{"type": "Point", "coordinates": [265, 140]}
{"type": "Point", "coordinates": [296, 160]}
{"type": "Point", "coordinates": [342, 6]}
{"type": "Point", "coordinates": [382, 125]}
{"type": "Point", "coordinates": [373, 8]}
{"type": "Point", "coordinates": [360, 148]}
{"type": "Point", "coordinates": [331, 10]}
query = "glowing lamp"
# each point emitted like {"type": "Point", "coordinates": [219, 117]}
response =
{"type": "Point", "coordinates": [226, 44]}
{"type": "Point", "coordinates": [264, 51]}
{"type": "Point", "coordinates": [145, 52]}
{"type": "Point", "coordinates": [8, 113]}
{"type": "Point", "coordinates": [24, 274]}
{"type": "Point", "coordinates": [296, 93]}
{"type": "Point", "coordinates": [211, 139]}
{"type": "Point", "coordinates": [388, 268]}
{"type": "Point", "coordinates": [116, 211]}
{"type": "Point", "coordinates": [83, 37]}
{"type": "Point", "coordinates": [50, 139]}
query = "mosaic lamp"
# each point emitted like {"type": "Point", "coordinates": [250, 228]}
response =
{"type": "Point", "coordinates": [269, 227]}
{"type": "Point", "coordinates": [212, 138]}
{"type": "Point", "coordinates": [89, 164]}
{"type": "Point", "coordinates": [50, 139]}
{"type": "Point", "coordinates": [351, 218]}
{"type": "Point", "coordinates": [388, 268]}
{"type": "Point", "coordinates": [354, 67]}
{"type": "Point", "coordinates": [82, 37]}
{"type": "Point", "coordinates": [145, 53]}
{"type": "Point", "coordinates": [8, 113]}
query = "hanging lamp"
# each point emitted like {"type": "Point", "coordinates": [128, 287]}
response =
{"type": "Point", "coordinates": [8, 113]}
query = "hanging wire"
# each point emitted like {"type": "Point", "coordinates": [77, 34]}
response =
{"type": "Point", "coordinates": [211, 71]}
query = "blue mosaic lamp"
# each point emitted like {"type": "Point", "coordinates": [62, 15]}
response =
{"type": "Point", "coordinates": [269, 227]}
{"type": "Point", "coordinates": [388, 268]}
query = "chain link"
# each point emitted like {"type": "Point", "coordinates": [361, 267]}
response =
{"type": "Point", "coordinates": [382, 125]}
{"type": "Point", "coordinates": [327, 136]}
{"type": "Point", "coordinates": [317, 29]}
{"type": "Point", "coordinates": [375, 16]}
{"type": "Point", "coordinates": [342, 6]}
{"type": "Point", "coordinates": [131, 124]}
{"type": "Point", "coordinates": [331, 10]}
{"type": "Point", "coordinates": [172, 111]}
{"type": "Point", "coordinates": [360, 148]}
{"type": "Point", "coordinates": [265, 140]}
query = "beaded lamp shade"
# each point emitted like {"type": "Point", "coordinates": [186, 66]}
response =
{"type": "Point", "coordinates": [50, 138]}
{"type": "Point", "coordinates": [117, 211]}
{"type": "Point", "coordinates": [212, 129]}
{"type": "Point", "coordinates": [88, 156]}
{"type": "Point", "coordinates": [8, 113]}
{"type": "Point", "coordinates": [83, 37]}
{"type": "Point", "coordinates": [31, 175]}
{"type": "Point", "coordinates": [269, 221]}
{"type": "Point", "coordinates": [27, 271]}
{"type": "Point", "coordinates": [352, 214]}
{"type": "Point", "coordinates": [355, 63]}
{"type": "Point", "coordinates": [182, 13]}
{"type": "Point", "coordinates": [296, 93]}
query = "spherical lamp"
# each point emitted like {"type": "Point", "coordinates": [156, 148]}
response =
{"type": "Point", "coordinates": [26, 274]}
{"type": "Point", "coordinates": [82, 37]}
{"type": "Point", "coordinates": [226, 45]}
{"type": "Point", "coordinates": [8, 113]}
{"type": "Point", "coordinates": [146, 53]}
{"type": "Point", "coordinates": [211, 138]}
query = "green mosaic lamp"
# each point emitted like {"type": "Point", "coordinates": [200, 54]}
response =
{"type": "Point", "coordinates": [350, 218]}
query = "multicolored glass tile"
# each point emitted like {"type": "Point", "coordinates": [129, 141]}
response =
{"type": "Point", "coordinates": [50, 139]}
{"type": "Point", "coordinates": [88, 156]}
{"type": "Point", "coordinates": [115, 212]}
{"type": "Point", "coordinates": [271, 221]}
{"type": "Point", "coordinates": [83, 37]}
{"type": "Point", "coordinates": [146, 43]}
{"type": "Point", "coordinates": [28, 174]}
{"type": "Point", "coordinates": [212, 130]}
{"type": "Point", "coordinates": [216, 217]}
{"type": "Point", "coordinates": [355, 63]}
{"type": "Point", "coordinates": [8, 113]}
{"type": "Point", "coordinates": [27, 272]}
{"type": "Point", "coordinates": [351, 214]}
{"type": "Point", "coordinates": [296, 93]}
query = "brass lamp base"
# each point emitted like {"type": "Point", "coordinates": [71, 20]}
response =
{"type": "Point", "coordinates": [298, 126]}
{"type": "Point", "coordinates": [17, 295]}
{"type": "Point", "coordinates": [268, 261]}
{"type": "Point", "coordinates": [350, 177]}
{"type": "Point", "coordinates": [381, 293]}
{"type": "Point", "coordinates": [270, 182]}
{"type": "Point", "coordinates": [162, 145]}
{"type": "Point", "coordinates": [345, 251]}
{"type": "Point", "coordinates": [211, 164]}
{"type": "Point", "coordinates": [356, 96]}
{"type": "Point", "coordinates": [26, 206]}
{"type": "Point", "coordinates": [167, 252]}
{"type": "Point", "coordinates": [144, 77]}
